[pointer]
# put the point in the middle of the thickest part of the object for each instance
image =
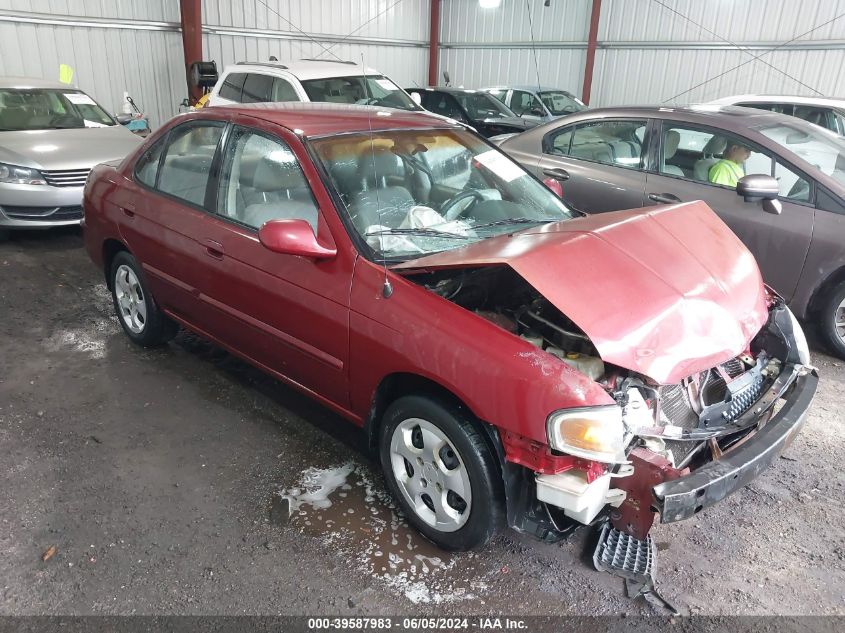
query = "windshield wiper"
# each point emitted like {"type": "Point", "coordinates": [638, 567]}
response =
{"type": "Point", "coordinates": [420, 231]}
{"type": "Point", "coordinates": [516, 221]}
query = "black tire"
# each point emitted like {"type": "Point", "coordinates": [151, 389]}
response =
{"type": "Point", "coordinates": [4, 235]}
{"type": "Point", "coordinates": [827, 320]}
{"type": "Point", "coordinates": [156, 328]}
{"type": "Point", "coordinates": [486, 510]}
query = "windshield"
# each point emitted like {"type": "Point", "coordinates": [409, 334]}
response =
{"type": "Point", "coordinates": [481, 105]}
{"type": "Point", "coordinates": [409, 193]}
{"type": "Point", "coordinates": [559, 102]}
{"type": "Point", "coordinates": [46, 109]}
{"type": "Point", "coordinates": [360, 90]}
{"type": "Point", "coordinates": [821, 148]}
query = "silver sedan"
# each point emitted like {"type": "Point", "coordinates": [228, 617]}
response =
{"type": "Point", "coordinates": [51, 135]}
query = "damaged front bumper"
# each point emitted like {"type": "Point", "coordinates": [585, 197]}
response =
{"type": "Point", "coordinates": [681, 498]}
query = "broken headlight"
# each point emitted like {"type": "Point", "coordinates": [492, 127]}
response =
{"type": "Point", "coordinates": [594, 433]}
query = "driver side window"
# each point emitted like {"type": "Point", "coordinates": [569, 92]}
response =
{"type": "Point", "coordinates": [525, 103]}
{"type": "Point", "coordinates": [262, 181]}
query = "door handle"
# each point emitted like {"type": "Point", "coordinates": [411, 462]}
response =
{"type": "Point", "coordinates": [214, 249]}
{"type": "Point", "coordinates": [664, 198]}
{"type": "Point", "coordinates": [128, 212]}
{"type": "Point", "coordinates": [557, 173]}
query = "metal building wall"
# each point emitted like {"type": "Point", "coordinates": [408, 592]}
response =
{"type": "Point", "coordinates": [135, 45]}
{"type": "Point", "coordinates": [646, 53]}
{"type": "Point", "coordinates": [483, 47]}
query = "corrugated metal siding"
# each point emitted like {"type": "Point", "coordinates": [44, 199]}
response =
{"type": "Point", "coordinates": [465, 22]}
{"type": "Point", "coordinates": [647, 53]}
{"type": "Point", "coordinates": [135, 45]}
{"type": "Point", "coordinates": [485, 47]}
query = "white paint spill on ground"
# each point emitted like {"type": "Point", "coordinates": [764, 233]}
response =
{"type": "Point", "coordinates": [350, 512]}
{"type": "Point", "coordinates": [87, 339]}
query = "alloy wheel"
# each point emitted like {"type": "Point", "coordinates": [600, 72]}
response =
{"type": "Point", "coordinates": [431, 474]}
{"type": "Point", "coordinates": [130, 299]}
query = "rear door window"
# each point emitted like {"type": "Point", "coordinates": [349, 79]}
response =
{"type": "Point", "coordinates": [283, 91]}
{"type": "Point", "coordinates": [257, 88]}
{"type": "Point", "coordinates": [233, 86]}
{"type": "Point", "coordinates": [184, 173]}
{"type": "Point", "coordinates": [610, 142]}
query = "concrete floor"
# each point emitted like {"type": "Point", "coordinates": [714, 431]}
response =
{"type": "Point", "coordinates": [150, 472]}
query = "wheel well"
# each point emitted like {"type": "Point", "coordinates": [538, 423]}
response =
{"type": "Point", "coordinates": [396, 385]}
{"type": "Point", "coordinates": [819, 294]}
{"type": "Point", "coordinates": [111, 248]}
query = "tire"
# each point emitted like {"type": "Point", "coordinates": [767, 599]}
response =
{"type": "Point", "coordinates": [139, 315]}
{"type": "Point", "coordinates": [833, 310]}
{"type": "Point", "coordinates": [429, 447]}
{"type": "Point", "coordinates": [4, 235]}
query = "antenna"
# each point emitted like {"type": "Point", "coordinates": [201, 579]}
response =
{"type": "Point", "coordinates": [387, 287]}
{"type": "Point", "coordinates": [533, 43]}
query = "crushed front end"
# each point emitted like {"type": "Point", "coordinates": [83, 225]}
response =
{"type": "Point", "coordinates": [692, 444]}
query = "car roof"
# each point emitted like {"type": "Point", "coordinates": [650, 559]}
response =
{"type": "Point", "coordinates": [832, 102]}
{"type": "Point", "coordinates": [32, 82]}
{"type": "Point", "coordinates": [527, 88]}
{"type": "Point", "coordinates": [446, 89]}
{"type": "Point", "coordinates": [305, 69]}
{"type": "Point", "coordinates": [311, 119]}
{"type": "Point", "coordinates": [728, 117]}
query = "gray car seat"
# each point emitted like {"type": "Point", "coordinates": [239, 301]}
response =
{"type": "Point", "coordinates": [714, 148]}
{"type": "Point", "coordinates": [380, 201]}
{"type": "Point", "coordinates": [670, 145]}
{"type": "Point", "coordinates": [284, 195]}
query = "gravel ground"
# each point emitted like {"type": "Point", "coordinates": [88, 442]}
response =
{"type": "Point", "coordinates": [150, 472]}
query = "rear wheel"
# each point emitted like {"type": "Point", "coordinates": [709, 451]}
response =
{"type": "Point", "coordinates": [4, 235]}
{"type": "Point", "coordinates": [441, 471]}
{"type": "Point", "coordinates": [137, 311]}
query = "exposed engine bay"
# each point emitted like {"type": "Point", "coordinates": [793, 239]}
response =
{"type": "Point", "coordinates": [669, 430]}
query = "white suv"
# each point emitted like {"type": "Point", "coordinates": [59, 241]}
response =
{"type": "Point", "coordinates": [308, 80]}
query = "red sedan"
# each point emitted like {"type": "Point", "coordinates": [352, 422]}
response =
{"type": "Point", "coordinates": [511, 361]}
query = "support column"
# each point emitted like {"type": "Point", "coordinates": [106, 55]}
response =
{"type": "Point", "coordinates": [591, 52]}
{"type": "Point", "coordinates": [434, 43]}
{"type": "Point", "coordinates": [191, 12]}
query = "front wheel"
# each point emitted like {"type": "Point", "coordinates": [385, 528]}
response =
{"type": "Point", "coordinates": [137, 311]}
{"type": "Point", "coordinates": [832, 321]}
{"type": "Point", "coordinates": [442, 472]}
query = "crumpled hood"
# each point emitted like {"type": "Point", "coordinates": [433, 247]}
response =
{"type": "Point", "coordinates": [664, 291]}
{"type": "Point", "coordinates": [77, 148]}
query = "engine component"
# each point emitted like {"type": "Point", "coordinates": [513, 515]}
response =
{"type": "Point", "coordinates": [587, 365]}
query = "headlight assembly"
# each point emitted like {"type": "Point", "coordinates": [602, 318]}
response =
{"type": "Point", "coordinates": [15, 175]}
{"type": "Point", "coordinates": [594, 433]}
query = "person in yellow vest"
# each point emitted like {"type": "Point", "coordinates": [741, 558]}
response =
{"type": "Point", "coordinates": [729, 170]}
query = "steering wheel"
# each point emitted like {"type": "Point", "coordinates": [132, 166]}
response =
{"type": "Point", "coordinates": [450, 209]}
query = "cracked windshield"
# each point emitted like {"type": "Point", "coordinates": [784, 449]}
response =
{"type": "Point", "coordinates": [409, 193]}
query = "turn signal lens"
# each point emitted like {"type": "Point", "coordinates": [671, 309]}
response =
{"type": "Point", "coordinates": [594, 433]}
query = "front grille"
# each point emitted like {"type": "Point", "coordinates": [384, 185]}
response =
{"type": "Point", "coordinates": [66, 177]}
{"type": "Point", "coordinates": [43, 213]}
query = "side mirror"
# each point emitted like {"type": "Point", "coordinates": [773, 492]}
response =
{"type": "Point", "coordinates": [555, 186]}
{"type": "Point", "coordinates": [293, 237]}
{"type": "Point", "coordinates": [759, 187]}
{"type": "Point", "coordinates": [416, 98]}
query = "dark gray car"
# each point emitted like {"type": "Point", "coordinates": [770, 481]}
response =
{"type": "Point", "coordinates": [792, 218]}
